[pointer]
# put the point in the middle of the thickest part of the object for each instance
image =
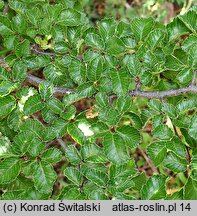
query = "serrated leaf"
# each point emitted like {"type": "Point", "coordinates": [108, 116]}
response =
{"type": "Point", "coordinates": [96, 176]}
{"type": "Point", "coordinates": [76, 133]}
{"type": "Point", "coordinates": [73, 175]}
{"type": "Point", "coordinates": [23, 140]}
{"type": "Point", "coordinates": [55, 105]}
{"type": "Point", "coordinates": [189, 19]}
{"type": "Point", "coordinates": [46, 90]}
{"type": "Point", "coordinates": [34, 126]}
{"type": "Point", "coordinates": [6, 87]}
{"type": "Point", "coordinates": [44, 177]}
{"type": "Point", "coordinates": [19, 71]}
{"type": "Point", "coordinates": [93, 153]}
{"type": "Point", "coordinates": [186, 105]}
{"type": "Point", "coordinates": [115, 46]}
{"type": "Point", "coordinates": [120, 81]}
{"type": "Point", "coordinates": [163, 132]}
{"type": "Point", "coordinates": [9, 169]}
{"type": "Point", "coordinates": [157, 152]}
{"type": "Point", "coordinates": [72, 154]}
{"type": "Point", "coordinates": [102, 100]}
{"type": "Point", "coordinates": [185, 76]}
{"type": "Point", "coordinates": [141, 27]}
{"type": "Point", "coordinates": [176, 28]}
{"type": "Point", "coordinates": [23, 49]}
{"type": "Point", "coordinates": [52, 155]}
{"type": "Point", "coordinates": [94, 40]}
{"type": "Point", "coordinates": [69, 17]}
{"type": "Point", "coordinates": [115, 148]}
{"type": "Point", "coordinates": [177, 147]}
{"type": "Point", "coordinates": [77, 71]}
{"type": "Point", "coordinates": [190, 190]}
{"type": "Point", "coordinates": [7, 104]}
{"type": "Point", "coordinates": [95, 69]}
{"type": "Point", "coordinates": [123, 104]}
{"type": "Point", "coordinates": [169, 109]}
{"type": "Point", "coordinates": [130, 136]}
{"type": "Point", "coordinates": [175, 163]}
{"type": "Point", "coordinates": [193, 127]}
{"type": "Point", "coordinates": [155, 105]}
{"type": "Point", "coordinates": [154, 189]}
{"type": "Point", "coordinates": [33, 104]}
{"type": "Point", "coordinates": [60, 127]}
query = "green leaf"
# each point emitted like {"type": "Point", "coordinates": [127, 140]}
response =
{"type": "Point", "coordinates": [19, 71]}
{"type": "Point", "coordinates": [120, 81]}
{"type": "Point", "coordinates": [109, 116]}
{"type": "Point", "coordinates": [175, 163]}
{"type": "Point", "coordinates": [176, 28]}
{"type": "Point", "coordinates": [157, 152]}
{"type": "Point", "coordinates": [163, 132]}
{"type": "Point", "coordinates": [44, 177]}
{"type": "Point", "coordinates": [177, 147]}
{"type": "Point", "coordinates": [193, 127]}
{"type": "Point", "coordinates": [83, 91]}
{"type": "Point", "coordinates": [46, 90]}
{"type": "Point", "coordinates": [189, 19]}
{"type": "Point", "coordinates": [94, 41]}
{"type": "Point", "coordinates": [55, 105]}
{"type": "Point", "coordinates": [9, 169]}
{"type": "Point", "coordinates": [72, 154]}
{"type": "Point", "coordinates": [186, 105]}
{"type": "Point", "coordinates": [60, 127]}
{"type": "Point", "coordinates": [130, 136]}
{"type": "Point", "coordinates": [25, 140]}
{"type": "Point", "coordinates": [69, 17]}
{"type": "Point", "coordinates": [95, 69]}
{"type": "Point", "coordinates": [7, 104]}
{"type": "Point", "coordinates": [155, 105]}
{"type": "Point", "coordinates": [23, 49]}
{"type": "Point", "coordinates": [115, 46]}
{"type": "Point", "coordinates": [96, 176]}
{"type": "Point", "coordinates": [190, 190]}
{"type": "Point", "coordinates": [115, 149]}
{"type": "Point", "coordinates": [169, 109]}
{"type": "Point", "coordinates": [93, 153]}
{"type": "Point", "coordinates": [33, 104]}
{"type": "Point", "coordinates": [73, 175]}
{"type": "Point", "coordinates": [77, 71]}
{"type": "Point", "coordinates": [76, 133]}
{"type": "Point", "coordinates": [123, 104]}
{"type": "Point", "coordinates": [154, 38]}
{"type": "Point", "coordinates": [102, 100]}
{"type": "Point", "coordinates": [52, 155]}
{"type": "Point", "coordinates": [185, 76]}
{"type": "Point", "coordinates": [154, 189]}
{"type": "Point", "coordinates": [69, 113]}
{"type": "Point", "coordinates": [34, 126]}
{"type": "Point", "coordinates": [6, 87]}
{"type": "Point", "coordinates": [141, 27]}
{"type": "Point", "coordinates": [106, 28]}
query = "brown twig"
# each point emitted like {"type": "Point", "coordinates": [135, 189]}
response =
{"type": "Point", "coordinates": [136, 92]}
{"type": "Point", "coordinates": [149, 162]}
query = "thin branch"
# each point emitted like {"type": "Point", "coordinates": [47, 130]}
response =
{"type": "Point", "coordinates": [136, 92]}
{"type": "Point", "coordinates": [57, 90]}
{"type": "Point", "coordinates": [38, 51]}
{"type": "Point", "coordinates": [149, 162]}
{"type": "Point", "coordinates": [162, 94]}
{"type": "Point", "coordinates": [62, 143]}
{"type": "Point", "coordinates": [6, 8]}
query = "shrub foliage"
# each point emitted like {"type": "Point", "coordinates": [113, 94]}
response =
{"type": "Point", "coordinates": [78, 102]}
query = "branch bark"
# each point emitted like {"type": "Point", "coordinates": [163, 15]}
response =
{"type": "Point", "coordinates": [192, 88]}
